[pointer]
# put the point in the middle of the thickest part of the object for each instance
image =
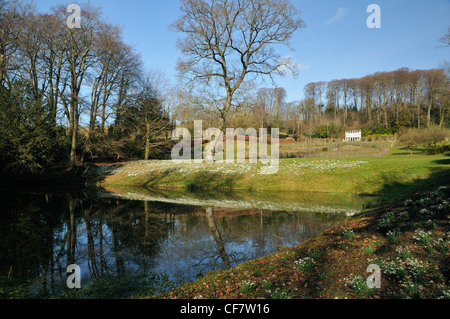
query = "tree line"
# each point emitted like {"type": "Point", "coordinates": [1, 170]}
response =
{"type": "Point", "coordinates": [404, 97]}
{"type": "Point", "coordinates": [381, 103]}
{"type": "Point", "coordinates": [73, 94]}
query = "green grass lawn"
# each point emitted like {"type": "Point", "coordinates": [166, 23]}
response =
{"type": "Point", "coordinates": [394, 175]}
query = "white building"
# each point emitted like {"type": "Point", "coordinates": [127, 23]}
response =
{"type": "Point", "coordinates": [353, 136]}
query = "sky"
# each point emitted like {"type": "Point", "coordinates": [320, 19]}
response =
{"type": "Point", "coordinates": [336, 44]}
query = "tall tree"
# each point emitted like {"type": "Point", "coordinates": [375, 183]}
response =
{"type": "Point", "coordinates": [12, 16]}
{"type": "Point", "coordinates": [80, 57]}
{"type": "Point", "coordinates": [435, 79]}
{"type": "Point", "coordinates": [229, 40]}
{"type": "Point", "coordinates": [146, 120]}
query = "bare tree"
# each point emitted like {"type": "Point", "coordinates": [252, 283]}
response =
{"type": "Point", "coordinates": [334, 96]}
{"type": "Point", "coordinates": [229, 40]}
{"type": "Point", "coordinates": [435, 80]}
{"type": "Point", "coordinates": [269, 104]}
{"type": "Point", "coordinates": [80, 58]}
{"type": "Point", "coordinates": [12, 17]}
{"type": "Point", "coordinates": [445, 40]}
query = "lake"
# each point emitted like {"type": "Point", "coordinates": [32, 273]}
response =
{"type": "Point", "coordinates": [134, 241]}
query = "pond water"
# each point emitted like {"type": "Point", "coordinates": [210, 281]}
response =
{"type": "Point", "coordinates": [137, 235]}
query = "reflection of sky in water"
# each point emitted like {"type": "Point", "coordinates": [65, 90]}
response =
{"type": "Point", "coordinates": [185, 253]}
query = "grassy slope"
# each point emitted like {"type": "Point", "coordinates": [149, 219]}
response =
{"type": "Point", "coordinates": [374, 176]}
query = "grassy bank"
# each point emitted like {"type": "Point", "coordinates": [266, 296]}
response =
{"type": "Point", "coordinates": [409, 241]}
{"type": "Point", "coordinates": [391, 176]}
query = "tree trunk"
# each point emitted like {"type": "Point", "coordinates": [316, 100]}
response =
{"type": "Point", "coordinates": [442, 116]}
{"type": "Point", "coordinates": [418, 108]}
{"type": "Point", "coordinates": [1, 67]}
{"type": "Point", "coordinates": [74, 132]}
{"type": "Point", "coordinates": [430, 105]}
{"type": "Point", "coordinates": [217, 237]}
{"type": "Point", "coordinates": [147, 141]}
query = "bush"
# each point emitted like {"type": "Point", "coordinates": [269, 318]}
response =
{"type": "Point", "coordinates": [29, 141]}
{"type": "Point", "coordinates": [411, 139]}
{"type": "Point", "coordinates": [369, 250]}
{"type": "Point", "coordinates": [403, 253]}
{"type": "Point", "coordinates": [431, 137]}
{"type": "Point", "coordinates": [438, 150]}
{"type": "Point", "coordinates": [386, 222]}
{"type": "Point", "coordinates": [422, 237]}
{"type": "Point", "coordinates": [359, 285]}
{"type": "Point", "coordinates": [348, 234]}
{"type": "Point", "coordinates": [305, 264]}
{"type": "Point", "coordinates": [247, 287]}
{"type": "Point", "coordinates": [393, 271]}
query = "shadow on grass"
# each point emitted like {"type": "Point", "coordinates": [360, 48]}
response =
{"type": "Point", "coordinates": [406, 151]}
{"type": "Point", "coordinates": [392, 191]}
{"type": "Point", "coordinates": [396, 194]}
{"type": "Point", "coordinates": [209, 180]}
{"type": "Point", "coordinates": [156, 178]}
{"type": "Point", "coordinates": [199, 181]}
{"type": "Point", "coordinates": [403, 226]}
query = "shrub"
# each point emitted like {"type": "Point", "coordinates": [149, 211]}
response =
{"type": "Point", "coordinates": [442, 245]}
{"type": "Point", "coordinates": [359, 285]}
{"type": "Point", "coordinates": [348, 234]}
{"type": "Point", "coordinates": [393, 271]}
{"type": "Point", "coordinates": [411, 139]}
{"type": "Point", "coordinates": [422, 237]}
{"type": "Point", "coordinates": [386, 222]}
{"type": "Point", "coordinates": [446, 293]}
{"type": "Point", "coordinates": [280, 294]}
{"type": "Point", "coordinates": [408, 202]}
{"type": "Point", "coordinates": [393, 234]}
{"type": "Point", "coordinates": [412, 290]}
{"type": "Point", "coordinates": [404, 215]}
{"type": "Point", "coordinates": [247, 287]}
{"type": "Point", "coordinates": [426, 213]}
{"type": "Point", "coordinates": [433, 136]}
{"type": "Point", "coordinates": [403, 253]}
{"type": "Point", "coordinates": [305, 264]}
{"type": "Point", "coordinates": [416, 269]}
{"type": "Point", "coordinates": [430, 224]}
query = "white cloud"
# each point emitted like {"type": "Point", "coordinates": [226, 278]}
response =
{"type": "Point", "coordinates": [303, 66]}
{"type": "Point", "coordinates": [289, 64]}
{"type": "Point", "coordinates": [338, 16]}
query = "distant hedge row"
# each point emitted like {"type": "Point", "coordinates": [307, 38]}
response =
{"type": "Point", "coordinates": [438, 150]}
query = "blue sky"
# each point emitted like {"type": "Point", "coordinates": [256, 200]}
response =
{"type": "Point", "coordinates": [336, 43]}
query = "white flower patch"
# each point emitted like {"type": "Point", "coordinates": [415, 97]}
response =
{"type": "Point", "coordinates": [305, 264]}
{"type": "Point", "coordinates": [142, 168]}
{"type": "Point", "coordinates": [299, 167]}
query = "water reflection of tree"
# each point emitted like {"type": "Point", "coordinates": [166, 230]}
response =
{"type": "Point", "coordinates": [217, 237]}
{"type": "Point", "coordinates": [132, 239]}
{"type": "Point", "coordinates": [40, 235]}
{"type": "Point", "coordinates": [27, 244]}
